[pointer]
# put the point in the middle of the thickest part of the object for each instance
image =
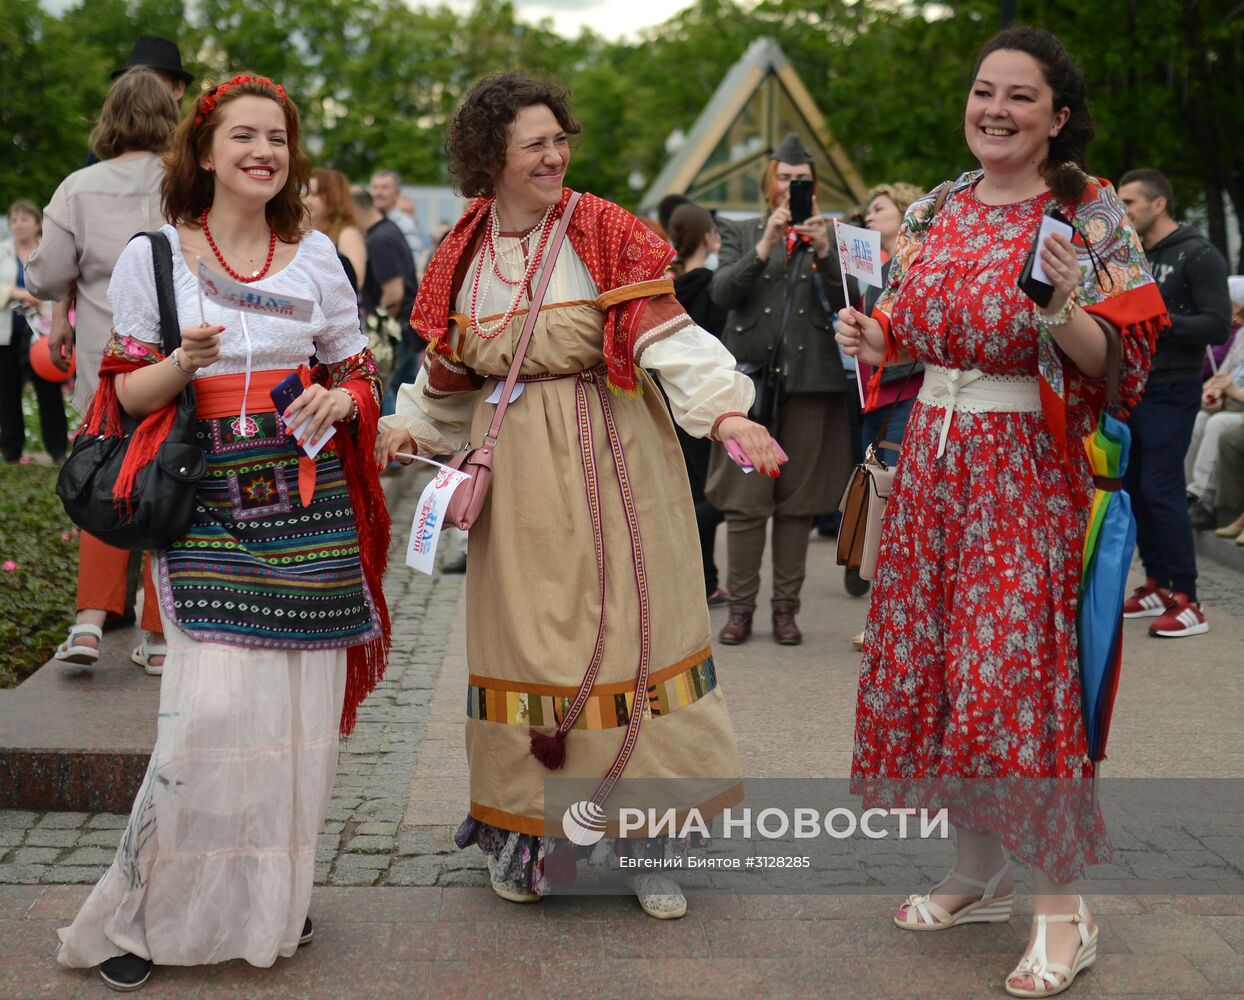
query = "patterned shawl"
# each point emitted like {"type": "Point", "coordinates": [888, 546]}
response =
{"type": "Point", "coordinates": [615, 246]}
{"type": "Point", "coordinates": [1115, 284]}
{"type": "Point", "coordinates": [365, 664]}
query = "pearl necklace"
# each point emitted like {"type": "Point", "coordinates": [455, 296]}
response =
{"type": "Point", "coordinates": [488, 267]}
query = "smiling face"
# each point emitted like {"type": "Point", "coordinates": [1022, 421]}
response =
{"type": "Point", "coordinates": [536, 158]}
{"type": "Point", "coordinates": [249, 151]}
{"type": "Point", "coordinates": [1010, 116]}
{"type": "Point", "coordinates": [884, 217]}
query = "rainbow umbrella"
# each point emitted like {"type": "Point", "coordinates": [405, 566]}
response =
{"type": "Point", "coordinates": [1108, 550]}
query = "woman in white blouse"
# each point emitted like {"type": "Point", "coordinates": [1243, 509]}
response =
{"type": "Point", "coordinates": [272, 599]}
{"type": "Point", "coordinates": [583, 574]}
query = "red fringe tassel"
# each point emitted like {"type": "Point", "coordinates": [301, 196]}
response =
{"type": "Point", "coordinates": [549, 750]}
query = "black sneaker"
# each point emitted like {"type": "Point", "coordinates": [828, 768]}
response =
{"type": "Point", "coordinates": [125, 972]}
{"type": "Point", "coordinates": [308, 932]}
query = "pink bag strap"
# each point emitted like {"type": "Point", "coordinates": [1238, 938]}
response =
{"type": "Point", "coordinates": [555, 245]}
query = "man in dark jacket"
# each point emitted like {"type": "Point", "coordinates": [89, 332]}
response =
{"type": "Point", "coordinates": [780, 283]}
{"type": "Point", "coordinates": [1192, 276]}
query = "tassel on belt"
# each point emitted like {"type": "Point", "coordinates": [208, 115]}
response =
{"type": "Point", "coordinates": [220, 397]}
{"type": "Point", "coordinates": [975, 392]}
{"type": "Point", "coordinates": [584, 380]}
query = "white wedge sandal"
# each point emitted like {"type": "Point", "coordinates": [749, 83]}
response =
{"type": "Point", "coordinates": [922, 914]}
{"type": "Point", "coordinates": [1044, 973]}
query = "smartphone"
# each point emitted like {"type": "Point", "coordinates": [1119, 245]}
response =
{"type": "Point", "coordinates": [286, 391]}
{"type": "Point", "coordinates": [1032, 279]}
{"type": "Point", "coordinates": [800, 200]}
{"type": "Point", "coordinates": [744, 462]}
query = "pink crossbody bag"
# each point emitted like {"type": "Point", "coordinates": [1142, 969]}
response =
{"type": "Point", "coordinates": [468, 499]}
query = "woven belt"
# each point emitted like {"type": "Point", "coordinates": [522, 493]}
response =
{"type": "Point", "coordinates": [975, 392]}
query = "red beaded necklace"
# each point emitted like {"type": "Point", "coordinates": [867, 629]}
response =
{"type": "Point", "coordinates": [225, 264]}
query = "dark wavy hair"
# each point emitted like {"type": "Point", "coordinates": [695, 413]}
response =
{"type": "Point", "coordinates": [689, 225]}
{"type": "Point", "coordinates": [479, 133]}
{"type": "Point", "coordinates": [1064, 167]}
{"type": "Point", "coordinates": [187, 188]}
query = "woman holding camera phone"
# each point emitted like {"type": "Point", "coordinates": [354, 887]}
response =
{"type": "Point", "coordinates": [970, 666]}
{"type": "Point", "coordinates": [272, 600]}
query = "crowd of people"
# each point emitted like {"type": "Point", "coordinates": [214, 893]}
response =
{"type": "Point", "coordinates": [672, 375]}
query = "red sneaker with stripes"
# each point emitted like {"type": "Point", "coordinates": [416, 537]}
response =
{"type": "Point", "coordinates": [1181, 618]}
{"type": "Point", "coordinates": [1147, 601]}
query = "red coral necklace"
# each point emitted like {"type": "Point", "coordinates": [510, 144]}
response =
{"type": "Point", "coordinates": [225, 264]}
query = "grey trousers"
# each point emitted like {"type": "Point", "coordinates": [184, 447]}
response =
{"type": "Point", "coordinates": [745, 547]}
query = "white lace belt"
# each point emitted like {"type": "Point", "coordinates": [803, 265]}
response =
{"type": "Point", "coordinates": [975, 392]}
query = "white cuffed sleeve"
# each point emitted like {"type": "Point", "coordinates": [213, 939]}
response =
{"type": "Point", "coordinates": [440, 426]}
{"type": "Point", "coordinates": [697, 373]}
{"type": "Point", "coordinates": [342, 335]}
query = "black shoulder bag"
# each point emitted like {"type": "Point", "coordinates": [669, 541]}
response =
{"type": "Point", "coordinates": [159, 509]}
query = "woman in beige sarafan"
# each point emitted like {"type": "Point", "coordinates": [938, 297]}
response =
{"type": "Point", "coordinates": [586, 551]}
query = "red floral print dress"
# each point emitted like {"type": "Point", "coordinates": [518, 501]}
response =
{"type": "Point", "coordinates": [970, 666]}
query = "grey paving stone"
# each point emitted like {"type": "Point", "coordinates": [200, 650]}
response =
{"type": "Point", "coordinates": [345, 872]}
{"type": "Point", "coordinates": [17, 819]}
{"type": "Point", "coordinates": [417, 871]}
{"type": "Point", "coordinates": [51, 838]}
{"type": "Point", "coordinates": [374, 862]}
{"type": "Point", "coordinates": [425, 841]}
{"type": "Point", "coordinates": [21, 874]}
{"type": "Point", "coordinates": [11, 838]}
{"type": "Point", "coordinates": [74, 875]}
{"type": "Point", "coordinates": [62, 821]}
{"type": "Point", "coordinates": [464, 878]}
{"type": "Point", "coordinates": [90, 856]}
{"type": "Point", "coordinates": [36, 855]}
{"type": "Point", "coordinates": [107, 821]}
{"type": "Point", "coordinates": [387, 829]}
{"type": "Point", "coordinates": [101, 838]}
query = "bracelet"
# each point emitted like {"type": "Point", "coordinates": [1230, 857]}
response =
{"type": "Point", "coordinates": [175, 357]}
{"type": "Point", "coordinates": [1063, 316]}
{"type": "Point", "coordinates": [353, 415]}
{"type": "Point", "coordinates": [712, 434]}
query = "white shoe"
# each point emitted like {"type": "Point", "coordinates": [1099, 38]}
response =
{"type": "Point", "coordinates": [145, 650]}
{"type": "Point", "coordinates": [923, 914]}
{"type": "Point", "coordinates": [72, 651]}
{"type": "Point", "coordinates": [507, 890]}
{"type": "Point", "coordinates": [660, 897]}
{"type": "Point", "coordinates": [1044, 973]}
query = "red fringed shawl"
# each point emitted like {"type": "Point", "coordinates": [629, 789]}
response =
{"type": "Point", "coordinates": [365, 663]}
{"type": "Point", "coordinates": [615, 246]}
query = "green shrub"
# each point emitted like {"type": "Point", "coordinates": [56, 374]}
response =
{"type": "Point", "coordinates": [38, 570]}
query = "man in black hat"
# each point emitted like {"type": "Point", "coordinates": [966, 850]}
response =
{"type": "Point", "coordinates": [780, 279]}
{"type": "Point", "coordinates": [164, 57]}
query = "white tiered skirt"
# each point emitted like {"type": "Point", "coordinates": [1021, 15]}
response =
{"type": "Point", "coordinates": [218, 858]}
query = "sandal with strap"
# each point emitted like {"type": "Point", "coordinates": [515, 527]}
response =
{"type": "Point", "coordinates": [660, 897]}
{"type": "Point", "coordinates": [145, 650]}
{"type": "Point", "coordinates": [1044, 973]}
{"type": "Point", "coordinates": [923, 914]}
{"type": "Point", "coordinates": [72, 651]}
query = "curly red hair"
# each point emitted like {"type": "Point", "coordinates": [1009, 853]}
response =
{"type": "Point", "coordinates": [188, 189]}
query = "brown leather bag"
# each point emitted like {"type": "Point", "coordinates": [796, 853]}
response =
{"type": "Point", "coordinates": [863, 508]}
{"type": "Point", "coordinates": [468, 499]}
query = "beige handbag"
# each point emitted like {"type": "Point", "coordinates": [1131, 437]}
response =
{"type": "Point", "coordinates": [863, 508]}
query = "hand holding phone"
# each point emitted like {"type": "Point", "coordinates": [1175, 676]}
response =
{"type": "Point", "coordinates": [741, 459]}
{"type": "Point", "coordinates": [800, 200]}
{"type": "Point", "coordinates": [283, 395]}
{"type": "Point", "coordinates": [1033, 280]}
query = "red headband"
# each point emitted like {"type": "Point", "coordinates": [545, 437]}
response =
{"type": "Point", "coordinates": [207, 101]}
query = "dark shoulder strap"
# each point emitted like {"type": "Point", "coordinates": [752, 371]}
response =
{"type": "Point", "coordinates": [940, 200]}
{"type": "Point", "coordinates": [162, 259]}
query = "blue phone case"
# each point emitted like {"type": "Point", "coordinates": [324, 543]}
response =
{"type": "Point", "coordinates": [286, 391]}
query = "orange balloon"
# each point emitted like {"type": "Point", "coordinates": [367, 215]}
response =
{"type": "Point", "coordinates": [41, 361]}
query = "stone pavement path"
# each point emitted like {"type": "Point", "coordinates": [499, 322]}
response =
{"type": "Point", "coordinates": [401, 913]}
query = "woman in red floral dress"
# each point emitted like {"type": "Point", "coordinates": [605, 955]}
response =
{"type": "Point", "coordinates": [970, 665]}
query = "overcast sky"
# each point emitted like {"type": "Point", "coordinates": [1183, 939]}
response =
{"type": "Point", "coordinates": [612, 19]}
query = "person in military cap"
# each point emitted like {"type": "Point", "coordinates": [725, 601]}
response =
{"type": "Point", "coordinates": [781, 282]}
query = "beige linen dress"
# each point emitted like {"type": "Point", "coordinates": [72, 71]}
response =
{"type": "Point", "coordinates": [534, 603]}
